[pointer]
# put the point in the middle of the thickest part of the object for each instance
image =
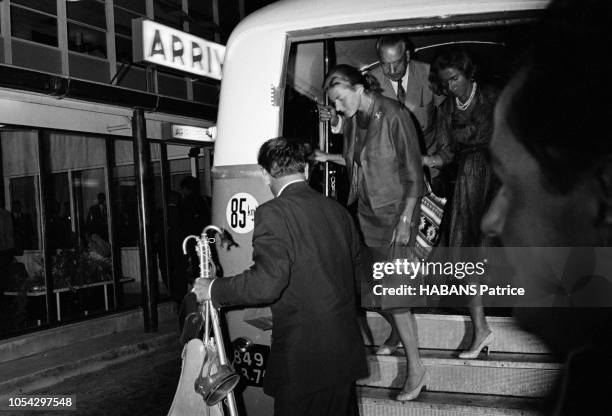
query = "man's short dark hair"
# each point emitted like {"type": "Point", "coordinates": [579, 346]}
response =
{"type": "Point", "coordinates": [282, 157]}
{"type": "Point", "coordinates": [388, 41]}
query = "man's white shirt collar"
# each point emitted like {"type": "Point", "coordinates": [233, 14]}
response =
{"type": "Point", "coordinates": [287, 184]}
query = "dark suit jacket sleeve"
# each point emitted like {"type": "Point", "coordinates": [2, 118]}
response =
{"type": "Point", "coordinates": [405, 139]}
{"type": "Point", "coordinates": [264, 282]}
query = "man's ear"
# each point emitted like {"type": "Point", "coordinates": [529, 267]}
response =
{"type": "Point", "coordinates": [265, 176]}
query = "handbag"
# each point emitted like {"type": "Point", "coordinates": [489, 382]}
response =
{"type": "Point", "coordinates": [197, 359]}
{"type": "Point", "coordinates": [432, 209]}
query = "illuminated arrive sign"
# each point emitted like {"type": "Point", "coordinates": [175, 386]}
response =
{"type": "Point", "coordinates": [200, 134]}
{"type": "Point", "coordinates": [163, 45]}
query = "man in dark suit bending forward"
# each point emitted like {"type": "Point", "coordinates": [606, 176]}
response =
{"type": "Point", "coordinates": [305, 253]}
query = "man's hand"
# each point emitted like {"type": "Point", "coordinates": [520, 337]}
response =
{"type": "Point", "coordinates": [328, 113]}
{"type": "Point", "coordinates": [201, 288]}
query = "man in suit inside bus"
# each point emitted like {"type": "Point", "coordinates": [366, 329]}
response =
{"type": "Point", "coordinates": [405, 79]}
{"type": "Point", "coordinates": [305, 253]}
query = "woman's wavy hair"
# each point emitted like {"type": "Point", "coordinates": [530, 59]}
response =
{"type": "Point", "coordinates": [349, 76]}
{"type": "Point", "coordinates": [453, 57]}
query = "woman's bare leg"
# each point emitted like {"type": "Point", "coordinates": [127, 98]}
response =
{"type": "Point", "coordinates": [481, 327]}
{"type": "Point", "coordinates": [405, 324]}
{"type": "Point", "coordinates": [392, 341]}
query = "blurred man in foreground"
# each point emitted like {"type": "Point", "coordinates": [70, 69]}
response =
{"type": "Point", "coordinates": [552, 152]}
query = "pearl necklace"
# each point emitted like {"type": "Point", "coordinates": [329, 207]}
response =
{"type": "Point", "coordinates": [464, 106]}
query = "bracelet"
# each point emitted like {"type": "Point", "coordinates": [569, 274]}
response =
{"type": "Point", "coordinates": [405, 219]}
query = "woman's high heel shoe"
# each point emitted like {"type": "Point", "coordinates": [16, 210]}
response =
{"type": "Point", "coordinates": [406, 396]}
{"type": "Point", "coordinates": [483, 346]}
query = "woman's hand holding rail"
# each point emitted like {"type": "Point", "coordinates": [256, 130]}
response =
{"type": "Point", "coordinates": [328, 113]}
{"type": "Point", "coordinates": [321, 156]}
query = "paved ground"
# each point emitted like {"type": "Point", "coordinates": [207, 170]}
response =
{"type": "Point", "coordinates": [144, 386]}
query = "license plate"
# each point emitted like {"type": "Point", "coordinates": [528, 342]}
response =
{"type": "Point", "coordinates": [251, 364]}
